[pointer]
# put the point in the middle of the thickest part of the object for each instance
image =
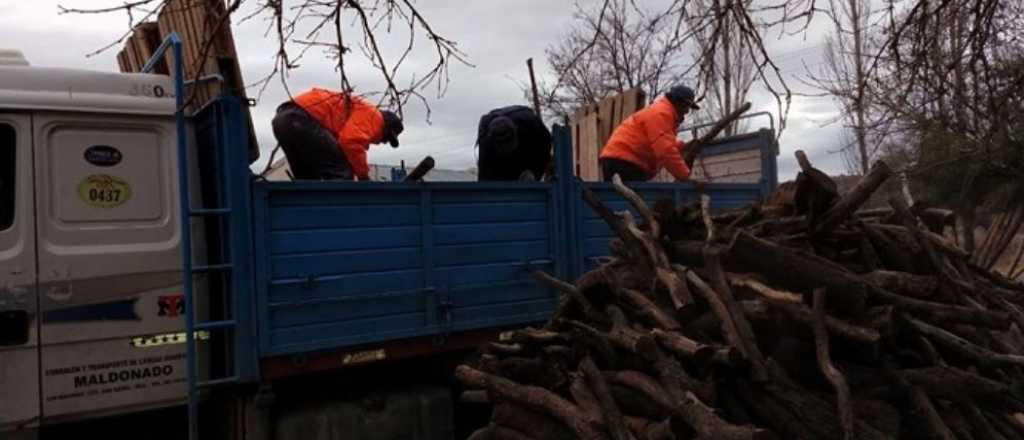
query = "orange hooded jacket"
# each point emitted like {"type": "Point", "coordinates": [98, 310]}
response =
{"type": "Point", "coordinates": [355, 122]}
{"type": "Point", "coordinates": [647, 139]}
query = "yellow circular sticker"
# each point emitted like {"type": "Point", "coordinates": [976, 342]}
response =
{"type": "Point", "coordinates": [104, 191]}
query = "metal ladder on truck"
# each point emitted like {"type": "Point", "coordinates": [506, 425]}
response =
{"type": "Point", "coordinates": [226, 178]}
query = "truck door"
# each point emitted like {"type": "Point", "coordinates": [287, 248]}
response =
{"type": "Point", "coordinates": [19, 342]}
{"type": "Point", "coordinates": [109, 264]}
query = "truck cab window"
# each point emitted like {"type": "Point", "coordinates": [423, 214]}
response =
{"type": "Point", "coordinates": [7, 182]}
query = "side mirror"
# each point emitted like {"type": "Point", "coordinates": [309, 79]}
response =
{"type": "Point", "coordinates": [14, 327]}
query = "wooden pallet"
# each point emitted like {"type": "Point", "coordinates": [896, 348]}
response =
{"type": "Point", "coordinates": [592, 125]}
{"type": "Point", "coordinates": [195, 22]}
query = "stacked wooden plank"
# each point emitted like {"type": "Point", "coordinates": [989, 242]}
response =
{"type": "Point", "coordinates": [210, 62]}
{"type": "Point", "coordinates": [592, 125]}
{"type": "Point", "coordinates": [824, 322]}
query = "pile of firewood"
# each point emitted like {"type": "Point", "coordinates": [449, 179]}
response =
{"type": "Point", "coordinates": [802, 320]}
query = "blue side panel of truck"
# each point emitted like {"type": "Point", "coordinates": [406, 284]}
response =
{"type": "Point", "coordinates": [338, 265]}
{"type": "Point", "coordinates": [355, 263]}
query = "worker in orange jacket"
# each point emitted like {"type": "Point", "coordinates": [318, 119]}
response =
{"type": "Point", "coordinates": [326, 134]}
{"type": "Point", "coordinates": [646, 141]}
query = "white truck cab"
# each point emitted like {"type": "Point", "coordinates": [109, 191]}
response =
{"type": "Point", "coordinates": [91, 310]}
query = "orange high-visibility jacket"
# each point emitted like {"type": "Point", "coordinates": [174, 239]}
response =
{"type": "Point", "coordinates": [647, 139]}
{"type": "Point", "coordinates": [355, 122]}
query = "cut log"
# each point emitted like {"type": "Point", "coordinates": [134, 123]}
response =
{"type": "Point", "coordinates": [981, 356]}
{"type": "Point", "coordinates": [837, 327]}
{"type": "Point", "coordinates": [478, 397]}
{"type": "Point", "coordinates": [853, 199]}
{"type": "Point", "coordinates": [535, 398]}
{"type": "Point", "coordinates": [612, 415]}
{"type": "Point", "coordinates": [951, 383]}
{"type": "Point", "coordinates": [914, 286]}
{"type": "Point", "coordinates": [698, 353]}
{"type": "Point", "coordinates": [646, 308]}
{"type": "Point", "coordinates": [746, 333]}
{"type": "Point", "coordinates": [797, 270]}
{"type": "Point", "coordinates": [539, 426]}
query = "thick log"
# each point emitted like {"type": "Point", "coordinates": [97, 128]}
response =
{"type": "Point", "coordinates": [594, 339]}
{"type": "Point", "coordinates": [725, 318]}
{"type": "Point", "coordinates": [936, 259]}
{"type": "Point", "coordinates": [1004, 424]}
{"type": "Point", "coordinates": [746, 333]}
{"type": "Point", "coordinates": [797, 413]}
{"type": "Point", "coordinates": [641, 385]}
{"type": "Point", "coordinates": [869, 256]}
{"type": "Point", "coordinates": [816, 192]}
{"type": "Point", "coordinates": [624, 337]}
{"type": "Point", "coordinates": [708, 425]}
{"type": "Point", "coordinates": [832, 373]}
{"type": "Point", "coordinates": [893, 256]}
{"type": "Point", "coordinates": [944, 314]}
{"type": "Point", "coordinates": [584, 396]}
{"type": "Point", "coordinates": [527, 370]}
{"type": "Point", "coordinates": [957, 423]}
{"type": "Point", "coordinates": [837, 327]}
{"type": "Point", "coordinates": [650, 311]}
{"type": "Point", "coordinates": [798, 270]}
{"type": "Point", "coordinates": [636, 404]}
{"type": "Point", "coordinates": [535, 398]}
{"type": "Point", "coordinates": [902, 283]}
{"type": "Point", "coordinates": [951, 383]}
{"type": "Point", "coordinates": [982, 427]}
{"type": "Point", "coordinates": [612, 415]}
{"type": "Point", "coordinates": [924, 408]}
{"type": "Point", "coordinates": [981, 356]}
{"type": "Point", "coordinates": [477, 397]}
{"type": "Point", "coordinates": [421, 170]}
{"type": "Point", "coordinates": [698, 353]}
{"type": "Point", "coordinates": [523, 420]}
{"type": "Point", "coordinates": [853, 199]}
{"type": "Point", "coordinates": [676, 381]}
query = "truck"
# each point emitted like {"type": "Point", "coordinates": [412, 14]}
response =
{"type": "Point", "coordinates": [154, 286]}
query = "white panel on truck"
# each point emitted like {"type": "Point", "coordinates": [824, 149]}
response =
{"type": "Point", "coordinates": [19, 367]}
{"type": "Point", "coordinates": [109, 263]}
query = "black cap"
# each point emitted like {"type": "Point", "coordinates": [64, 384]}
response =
{"type": "Point", "coordinates": [683, 95]}
{"type": "Point", "coordinates": [501, 134]}
{"type": "Point", "coordinates": [392, 127]}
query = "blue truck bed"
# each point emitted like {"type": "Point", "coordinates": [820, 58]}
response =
{"type": "Point", "coordinates": [340, 266]}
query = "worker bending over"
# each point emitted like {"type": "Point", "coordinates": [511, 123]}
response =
{"type": "Point", "coordinates": [646, 141]}
{"type": "Point", "coordinates": [514, 145]}
{"type": "Point", "coordinates": [325, 134]}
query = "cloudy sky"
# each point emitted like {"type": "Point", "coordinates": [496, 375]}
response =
{"type": "Point", "coordinates": [496, 37]}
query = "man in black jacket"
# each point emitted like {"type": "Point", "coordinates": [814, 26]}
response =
{"type": "Point", "coordinates": [513, 141]}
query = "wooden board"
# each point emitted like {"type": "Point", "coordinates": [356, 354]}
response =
{"type": "Point", "coordinates": [594, 124]}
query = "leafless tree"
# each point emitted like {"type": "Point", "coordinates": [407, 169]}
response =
{"type": "Point", "coordinates": [947, 84]}
{"type": "Point", "coordinates": [337, 27]}
{"type": "Point", "coordinates": [727, 71]}
{"type": "Point", "coordinates": [845, 78]}
{"type": "Point", "coordinates": [612, 48]}
{"type": "Point", "coordinates": [619, 44]}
